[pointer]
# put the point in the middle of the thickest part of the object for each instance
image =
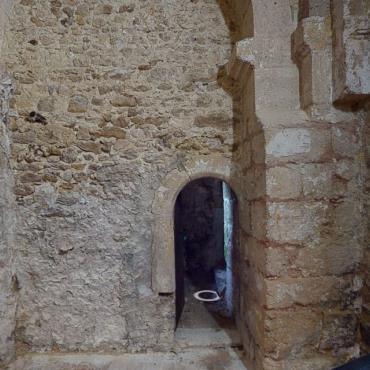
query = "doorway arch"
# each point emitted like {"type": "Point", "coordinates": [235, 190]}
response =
{"type": "Point", "coordinates": [163, 243]}
{"type": "Point", "coordinates": [206, 253]}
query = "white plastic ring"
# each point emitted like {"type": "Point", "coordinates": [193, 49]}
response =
{"type": "Point", "coordinates": [197, 296]}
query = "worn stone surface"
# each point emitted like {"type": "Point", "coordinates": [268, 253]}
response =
{"type": "Point", "coordinates": [195, 359]}
{"type": "Point", "coordinates": [8, 282]}
{"type": "Point", "coordinates": [121, 91]}
{"type": "Point", "coordinates": [351, 50]}
{"type": "Point", "coordinates": [118, 105]}
{"type": "Point", "coordinates": [365, 317]}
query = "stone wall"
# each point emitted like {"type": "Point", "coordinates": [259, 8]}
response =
{"type": "Point", "coordinates": [365, 318]}
{"type": "Point", "coordinates": [8, 282]}
{"type": "Point", "coordinates": [119, 105]}
{"type": "Point", "coordinates": [302, 179]}
{"type": "Point", "coordinates": [109, 98]}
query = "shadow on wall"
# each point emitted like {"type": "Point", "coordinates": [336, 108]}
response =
{"type": "Point", "coordinates": [199, 220]}
{"type": "Point", "coordinates": [238, 15]}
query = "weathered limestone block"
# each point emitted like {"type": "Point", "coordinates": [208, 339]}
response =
{"type": "Point", "coordinates": [337, 255]}
{"type": "Point", "coordinates": [283, 182]}
{"type": "Point", "coordinates": [288, 292]}
{"type": "Point", "coordinates": [351, 59]}
{"type": "Point", "coordinates": [289, 333]}
{"type": "Point", "coordinates": [295, 222]}
{"type": "Point", "coordinates": [280, 261]}
{"type": "Point", "coordinates": [124, 101]}
{"type": "Point", "coordinates": [297, 144]}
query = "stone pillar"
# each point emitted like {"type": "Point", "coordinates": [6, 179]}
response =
{"type": "Point", "coordinates": [330, 192]}
{"type": "Point", "coordinates": [303, 218]}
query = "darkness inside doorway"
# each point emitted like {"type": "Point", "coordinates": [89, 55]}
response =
{"type": "Point", "coordinates": [204, 239]}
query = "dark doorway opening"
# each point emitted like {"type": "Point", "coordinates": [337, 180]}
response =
{"type": "Point", "coordinates": [205, 249]}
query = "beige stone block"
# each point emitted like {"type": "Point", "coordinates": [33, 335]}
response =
{"type": "Point", "coordinates": [277, 86]}
{"type": "Point", "coordinates": [286, 292]}
{"type": "Point", "coordinates": [295, 222]}
{"type": "Point", "coordinates": [89, 146]}
{"type": "Point", "coordinates": [46, 104]}
{"type": "Point", "coordinates": [124, 101]}
{"type": "Point", "coordinates": [280, 261]}
{"type": "Point", "coordinates": [297, 144]}
{"type": "Point", "coordinates": [24, 104]}
{"type": "Point", "coordinates": [283, 183]}
{"type": "Point", "coordinates": [163, 256]}
{"type": "Point", "coordinates": [290, 332]}
{"type": "Point", "coordinates": [312, 363]}
{"type": "Point", "coordinates": [78, 104]}
{"type": "Point", "coordinates": [121, 121]}
{"type": "Point", "coordinates": [103, 9]}
{"type": "Point", "coordinates": [338, 254]}
{"type": "Point", "coordinates": [56, 134]}
{"type": "Point", "coordinates": [258, 219]}
{"type": "Point", "coordinates": [346, 142]}
{"type": "Point", "coordinates": [317, 180]}
{"type": "Point", "coordinates": [280, 119]}
{"type": "Point", "coordinates": [109, 132]}
{"type": "Point", "coordinates": [288, 142]}
{"type": "Point", "coordinates": [347, 216]}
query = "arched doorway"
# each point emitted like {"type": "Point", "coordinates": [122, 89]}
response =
{"type": "Point", "coordinates": [205, 249]}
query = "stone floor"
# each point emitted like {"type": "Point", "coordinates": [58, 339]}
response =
{"type": "Point", "coordinates": [200, 325]}
{"type": "Point", "coordinates": [203, 341]}
{"type": "Point", "coordinates": [195, 359]}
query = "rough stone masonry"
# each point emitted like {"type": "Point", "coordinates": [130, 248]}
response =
{"type": "Point", "coordinates": [108, 106]}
